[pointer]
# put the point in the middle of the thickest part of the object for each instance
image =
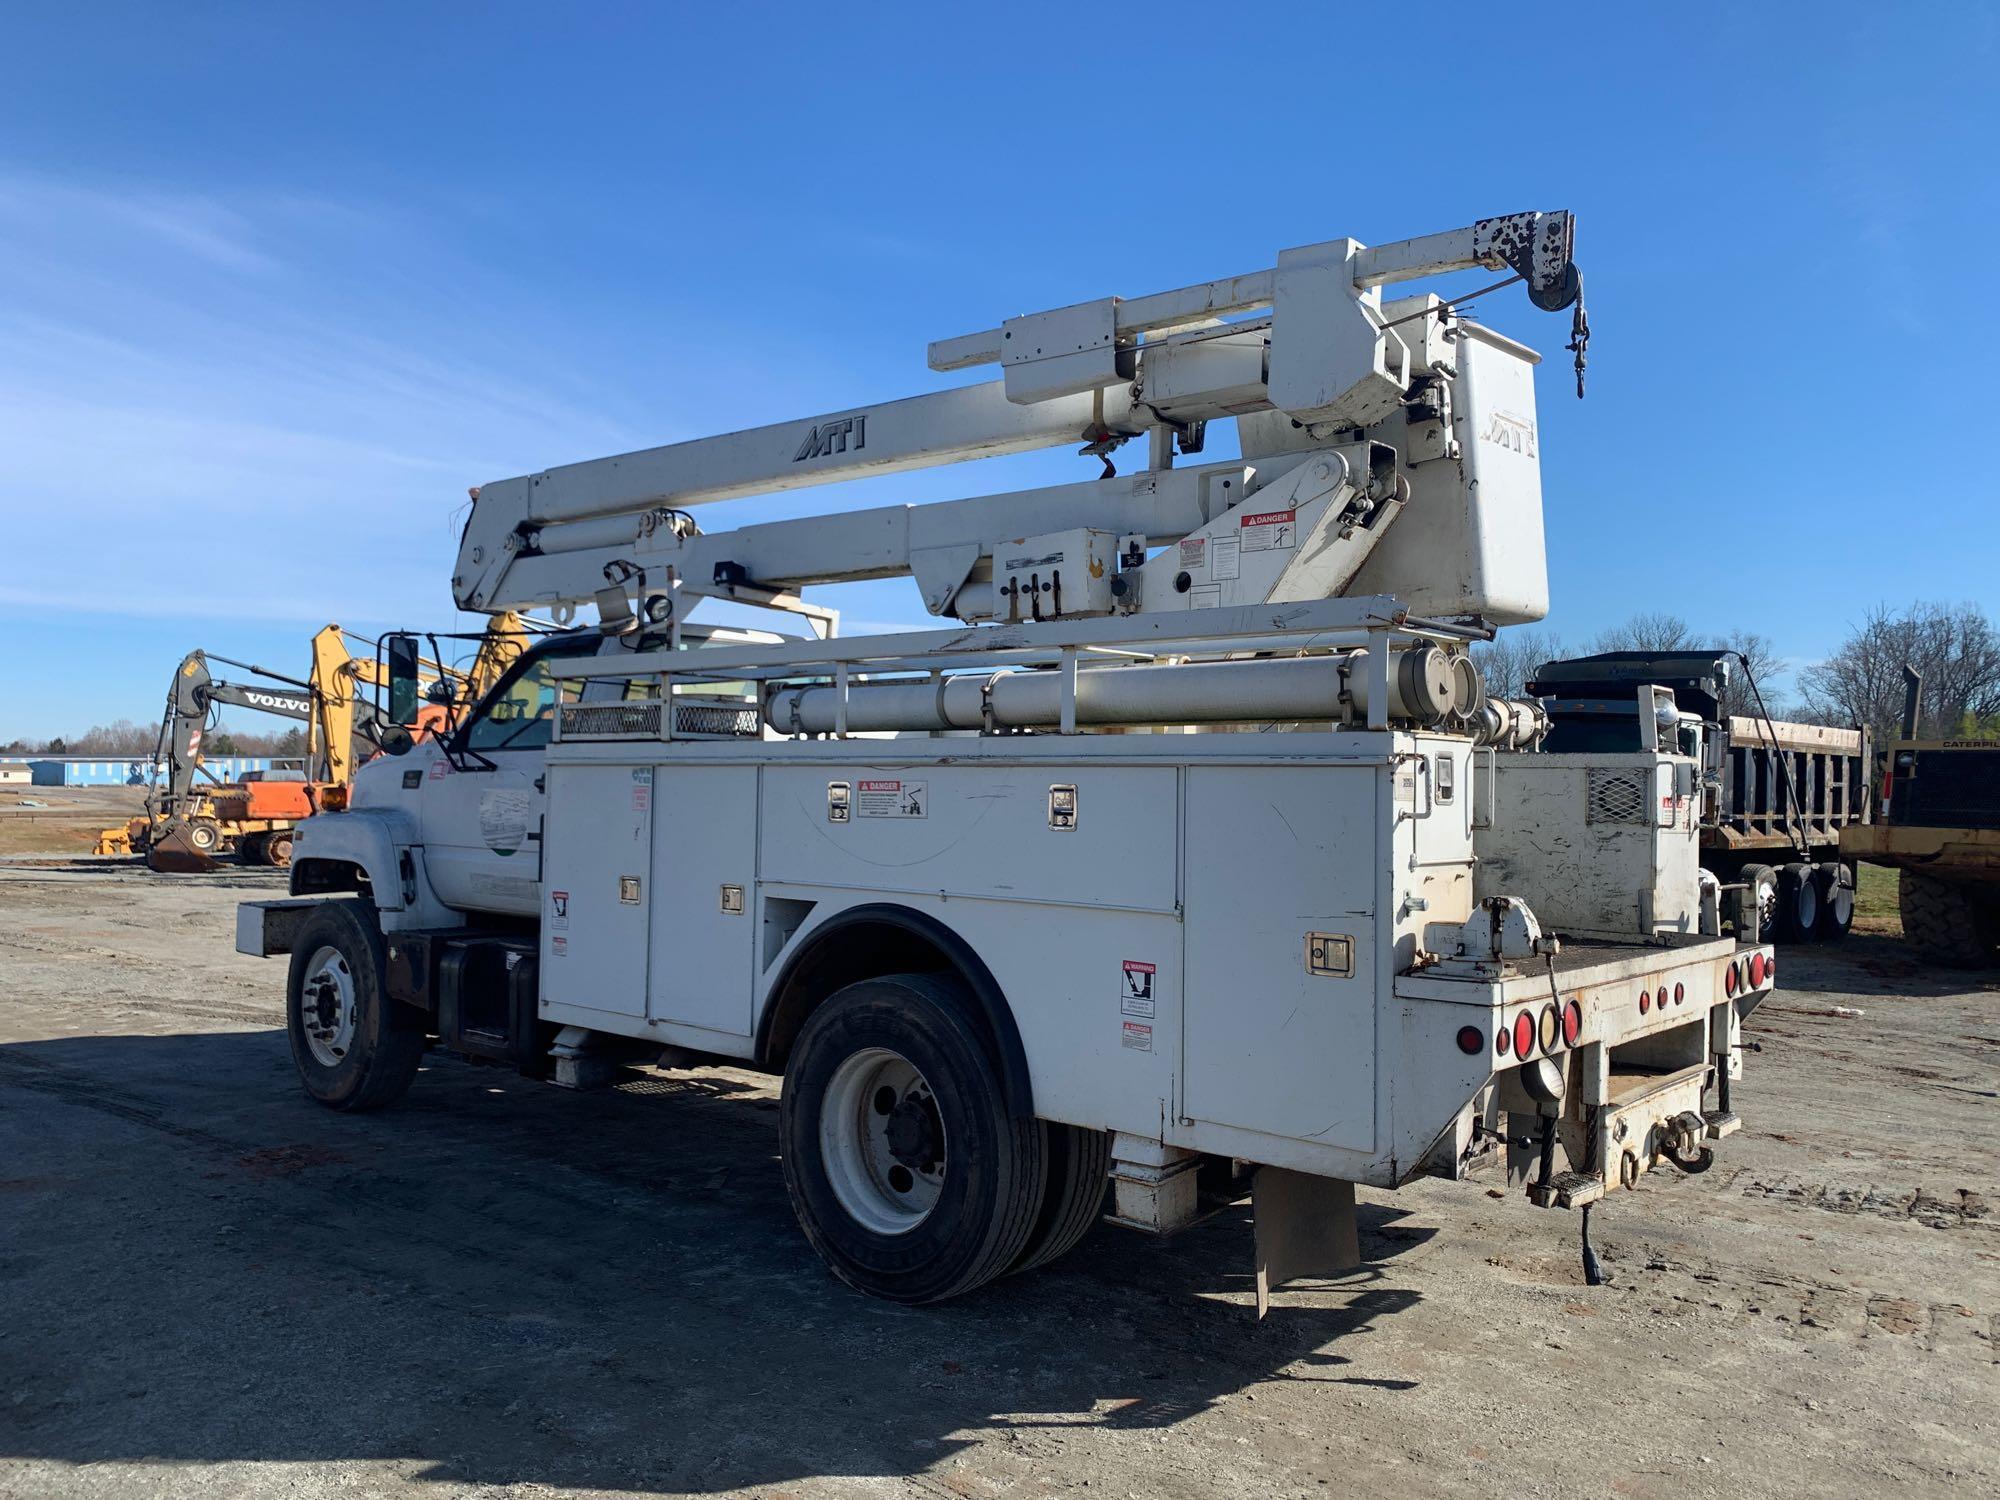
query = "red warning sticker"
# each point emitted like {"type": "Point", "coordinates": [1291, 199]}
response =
{"type": "Point", "coordinates": [1135, 993]}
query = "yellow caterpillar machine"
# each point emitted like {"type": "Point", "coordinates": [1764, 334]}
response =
{"type": "Point", "coordinates": [189, 821]}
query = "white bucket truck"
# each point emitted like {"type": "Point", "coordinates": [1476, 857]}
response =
{"type": "Point", "coordinates": [1164, 862]}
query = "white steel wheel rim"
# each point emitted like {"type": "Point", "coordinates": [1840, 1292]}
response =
{"type": "Point", "coordinates": [1767, 904]}
{"type": "Point", "coordinates": [882, 1141]}
{"type": "Point", "coordinates": [327, 1007]}
{"type": "Point", "coordinates": [1808, 904]}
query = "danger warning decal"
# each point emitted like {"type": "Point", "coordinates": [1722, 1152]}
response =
{"type": "Point", "coordinates": [1135, 990]}
{"type": "Point", "coordinates": [892, 799]}
{"type": "Point", "coordinates": [1270, 530]}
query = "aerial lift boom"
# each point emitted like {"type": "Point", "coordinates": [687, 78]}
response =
{"type": "Point", "coordinates": [1324, 382]}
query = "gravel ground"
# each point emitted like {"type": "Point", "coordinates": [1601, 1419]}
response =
{"type": "Point", "coordinates": [210, 1287]}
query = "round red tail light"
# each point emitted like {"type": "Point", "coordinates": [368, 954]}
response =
{"type": "Point", "coordinates": [1729, 980]}
{"type": "Point", "coordinates": [1680, 993]}
{"type": "Point", "coordinates": [1645, 1001]}
{"type": "Point", "coordinates": [1572, 1023]}
{"type": "Point", "coordinates": [1470, 1041]}
{"type": "Point", "coordinates": [1756, 969]}
{"type": "Point", "coordinates": [1503, 1041]}
{"type": "Point", "coordinates": [1524, 1035]}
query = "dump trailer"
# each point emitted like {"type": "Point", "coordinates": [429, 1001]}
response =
{"type": "Point", "coordinates": [1775, 797]}
{"type": "Point", "coordinates": [1145, 878]}
{"type": "Point", "coordinates": [1940, 831]}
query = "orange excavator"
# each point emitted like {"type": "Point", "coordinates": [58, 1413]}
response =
{"type": "Point", "coordinates": [189, 821]}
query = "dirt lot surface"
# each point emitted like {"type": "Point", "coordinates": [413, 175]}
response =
{"type": "Point", "coordinates": [63, 819]}
{"type": "Point", "coordinates": [211, 1287]}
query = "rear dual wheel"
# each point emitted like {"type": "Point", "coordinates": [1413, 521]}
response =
{"type": "Point", "coordinates": [1798, 904]}
{"type": "Point", "coordinates": [910, 1173]}
{"type": "Point", "coordinates": [1836, 900]}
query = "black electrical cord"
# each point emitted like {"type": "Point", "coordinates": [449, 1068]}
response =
{"type": "Point", "coordinates": [1796, 825]}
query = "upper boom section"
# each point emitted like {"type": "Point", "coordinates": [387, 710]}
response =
{"type": "Point", "coordinates": [1354, 378]}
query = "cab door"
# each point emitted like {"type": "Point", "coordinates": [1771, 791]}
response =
{"type": "Point", "coordinates": [484, 796]}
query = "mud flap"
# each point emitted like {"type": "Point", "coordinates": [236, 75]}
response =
{"type": "Point", "coordinates": [1305, 1227]}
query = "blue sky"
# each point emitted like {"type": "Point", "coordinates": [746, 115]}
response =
{"type": "Point", "coordinates": [280, 282]}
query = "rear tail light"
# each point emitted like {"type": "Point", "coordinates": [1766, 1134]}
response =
{"type": "Point", "coordinates": [1524, 1035]}
{"type": "Point", "coordinates": [1680, 993]}
{"type": "Point", "coordinates": [1771, 970]}
{"type": "Point", "coordinates": [1503, 1041]}
{"type": "Point", "coordinates": [1645, 1001]}
{"type": "Point", "coordinates": [1729, 980]}
{"type": "Point", "coordinates": [1470, 1041]}
{"type": "Point", "coordinates": [1551, 1027]}
{"type": "Point", "coordinates": [1572, 1023]}
{"type": "Point", "coordinates": [1756, 970]}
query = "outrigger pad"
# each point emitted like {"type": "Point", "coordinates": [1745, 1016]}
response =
{"type": "Point", "coordinates": [1305, 1227]}
{"type": "Point", "coordinates": [172, 852]}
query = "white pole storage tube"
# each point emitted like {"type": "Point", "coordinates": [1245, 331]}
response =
{"type": "Point", "coordinates": [1314, 687]}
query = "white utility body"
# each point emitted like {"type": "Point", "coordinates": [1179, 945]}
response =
{"type": "Point", "coordinates": [1190, 845]}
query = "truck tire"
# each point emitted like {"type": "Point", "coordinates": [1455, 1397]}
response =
{"type": "Point", "coordinates": [354, 1047]}
{"type": "Point", "coordinates": [1836, 900]}
{"type": "Point", "coordinates": [1079, 1172]}
{"type": "Point", "coordinates": [1798, 904]}
{"type": "Point", "coordinates": [909, 1174]}
{"type": "Point", "coordinates": [205, 834]}
{"type": "Point", "coordinates": [1763, 900]}
{"type": "Point", "coordinates": [1949, 922]}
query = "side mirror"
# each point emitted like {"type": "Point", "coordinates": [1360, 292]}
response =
{"type": "Point", "coordinates": [396, 740]}
{"type": "Point", "coordinates": [401, 651]}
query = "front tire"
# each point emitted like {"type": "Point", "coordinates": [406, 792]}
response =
{"type": "Point", "coordinates": [909, 1173]}
{"type": "Point", "coordinates": [1949, 922]}
{"type": "Point", "coordinates": [354, 1047]}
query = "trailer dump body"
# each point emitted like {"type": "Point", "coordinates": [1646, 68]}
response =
{"type": "Point", "coordinates": [1164, 857]}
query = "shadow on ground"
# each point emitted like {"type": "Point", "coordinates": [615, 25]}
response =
{"type": "Point", "coordinates": [499, 1283]}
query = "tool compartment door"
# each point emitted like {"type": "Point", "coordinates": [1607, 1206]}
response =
{"type": "Point", "coordinates": [704, 896]}
{"type": "Point", "coordinates": [595, 888]}
{"type": "Point", "coordinates": [1275, 855]}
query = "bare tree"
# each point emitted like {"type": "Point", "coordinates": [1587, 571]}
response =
{"type": "Point", "coordinates": [1956, 648]}
{"type": "Point", "coordinates": [1508, 662]}
{"type": "Point", "coordinates": [121, 738]}
{"type": "Point", "coordinates": [1653, 631]}
{"type": "Point", "coordinates": [1759, 662]}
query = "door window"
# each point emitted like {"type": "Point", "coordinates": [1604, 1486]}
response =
{"type": "Point", "coordinates": [522, 715]}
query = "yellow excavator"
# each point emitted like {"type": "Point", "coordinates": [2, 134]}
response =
{"type": "Point", "coordinates": [188, 822]}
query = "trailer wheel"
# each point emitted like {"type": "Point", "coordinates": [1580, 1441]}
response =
{"type": "Point", "coordinates": [1079, 1174]}
{"type": "Point", "coordinates": [1763, 902]}
{"type": "Point", "coordinates": [354, 1047]}
{"type": "Point", "coordinates": [909, 1174]}
{"type": "Point", "coordinates": [1798, 904]}
{"type": "Point", "coordinates": [1836, 900]}
{"type": "Point", "coordinates": [1949, 922]}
